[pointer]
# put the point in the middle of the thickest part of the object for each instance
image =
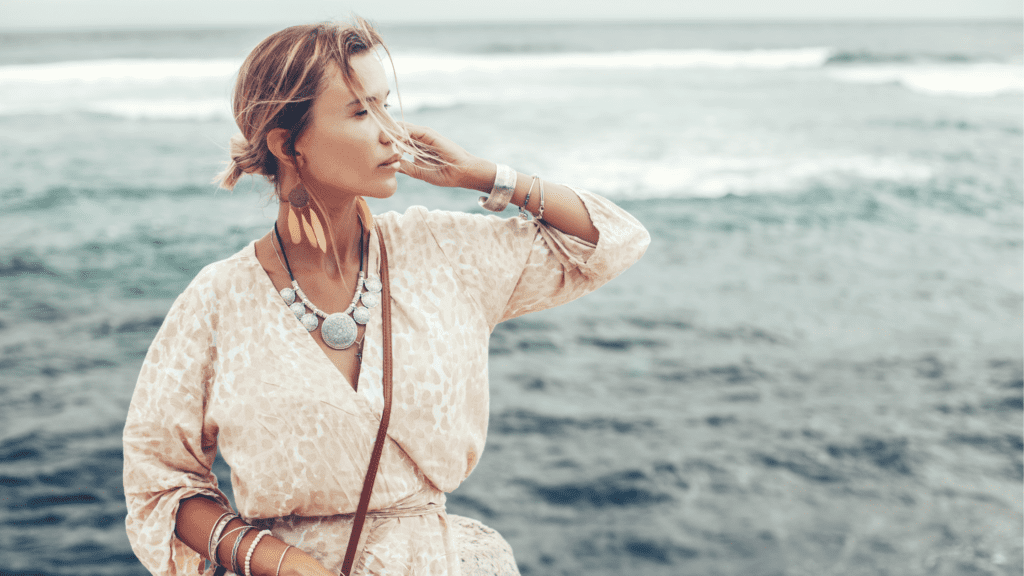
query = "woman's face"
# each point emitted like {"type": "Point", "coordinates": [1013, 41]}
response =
{"type": "Point", "coordinates": [343, 152]}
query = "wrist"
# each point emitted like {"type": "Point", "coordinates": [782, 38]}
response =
{"type": "Point", "coordinates": [299, 563]}
{"type": "Point", "coordinates": [480, 175]}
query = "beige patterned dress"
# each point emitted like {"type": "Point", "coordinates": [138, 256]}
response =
{"type": "Point", "coordinates": [232, 367]}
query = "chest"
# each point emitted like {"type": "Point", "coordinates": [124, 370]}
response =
{"type": "Point", "coordinates": [346, 360]}
{"type": "Point", "coordinates": [330, 296]}
{"type": "Point", "coordinates": [437, 329]}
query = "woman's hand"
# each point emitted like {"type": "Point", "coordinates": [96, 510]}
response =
{"type": "Point", "coordinates": [462, 169]}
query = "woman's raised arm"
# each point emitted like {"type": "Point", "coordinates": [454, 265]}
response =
{"type": "Point", "coordinates": [563, 208]}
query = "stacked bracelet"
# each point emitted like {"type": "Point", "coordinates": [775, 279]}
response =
{"type": "Point", "coordinates": [215, 532]}
{"type": "Point", "coordinates": [248, 555]}
{"type": "Point", "coordinates": [220, 540]}
{"type": "Point", "coordinates": [234, 550]}
{"type": "Point", "coordinates": [522, 209]}
{"type": "Point", "coordinates": [540, 213]}
{"type": "Point", "coordinates": [501, 192]}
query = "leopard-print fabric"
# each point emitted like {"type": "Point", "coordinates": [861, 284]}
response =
{"type": "Point", "coordinates": [231, 367]}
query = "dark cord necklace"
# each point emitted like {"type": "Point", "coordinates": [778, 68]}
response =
{"type": "Point", "coordinates": [339, 330]}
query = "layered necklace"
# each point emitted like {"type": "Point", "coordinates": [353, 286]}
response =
{"type": "Point", "coordinates": [338, 330]}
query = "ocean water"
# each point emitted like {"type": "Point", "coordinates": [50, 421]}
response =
{"type": "Point", "coordinates": [815, 370]}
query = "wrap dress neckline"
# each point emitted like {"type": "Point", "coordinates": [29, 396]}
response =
{"type": "Point", "coordinates": [369, 394]}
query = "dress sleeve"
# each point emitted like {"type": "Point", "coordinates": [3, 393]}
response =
{"type": "Point", "coordinates": [513, 266]}
{"type": "Point", "coordinates": [168, 451]}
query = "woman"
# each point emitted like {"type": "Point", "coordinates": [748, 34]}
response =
{"type": "Point", "coordinates": [275, 354]}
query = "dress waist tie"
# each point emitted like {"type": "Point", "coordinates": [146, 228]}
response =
{"type": "Point", "coordinates": [402, 512]}
{"type": "Point", "coordinates": [325, 537]}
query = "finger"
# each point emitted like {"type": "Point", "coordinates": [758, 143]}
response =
{"type": "Point", "coordinates": [410, 169]}
{"type": "Point", "coordinates": [411, 127]}
{"type": "Point", "coordinates": [420, 133]}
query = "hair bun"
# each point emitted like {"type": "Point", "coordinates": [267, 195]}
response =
{"type": "Point", "coordinates": [247, 158]}
{"type": "Point", "coordinates": [244, 160]}
{"type": "Point", "coordinates": [238, 147]}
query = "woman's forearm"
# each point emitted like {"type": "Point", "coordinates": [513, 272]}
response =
{"type": "Point", "coordinates": [196, 518]}
{"type": "Point", "coordinates": [563, 208]}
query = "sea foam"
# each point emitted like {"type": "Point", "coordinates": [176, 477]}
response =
{"type": "Point", "coordinates": [197, 89]}
{"type": "Point", "coordinates": [121, 69]}
{"type": "Point", "coordinates": [205, 109]}
{"type": "Point", "coordinates": [643, 59]}
{"type": "Point", "coordinates": [978, 79]}
{"type": "Point", "coordinates": [700, 176]}
{"type": "Point", "coordinates": [414, 63]}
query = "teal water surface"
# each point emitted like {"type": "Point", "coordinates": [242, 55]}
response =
{"type": "Point", "coordinates": [815, 369]}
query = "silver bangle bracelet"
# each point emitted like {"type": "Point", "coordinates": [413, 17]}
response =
{"type": "Point", "coordinates": [218, 528]}
{"type": "Point", "coordinates": [502, 190]}
{"type": "Point", "coordinates": [523, 211]}
{"type": "Point", "coordinates": [224, 537]}
{"type": "Point", "coordinates": [235, 568]}
{"type": "Point", "coordinates": [281, 561]}
{"type": "Point", "coordinates": [540, 212]}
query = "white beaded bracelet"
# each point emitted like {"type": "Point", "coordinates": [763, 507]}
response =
{"type": "Point", "coordinates": [248, 555]}
{"type": "Point", "coordinates": [501, 192]}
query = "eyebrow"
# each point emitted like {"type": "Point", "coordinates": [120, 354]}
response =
{"type": "Point", "coordinates": [370, 99]}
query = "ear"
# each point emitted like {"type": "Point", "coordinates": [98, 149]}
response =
{"type": "Point", "coordinates": [277, 141]}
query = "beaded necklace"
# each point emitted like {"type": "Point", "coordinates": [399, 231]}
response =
{"type": "Point", "coordinates": [339, 330]}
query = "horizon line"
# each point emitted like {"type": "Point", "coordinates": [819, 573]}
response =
{"type": "Point", "coordinates": [134, 27]}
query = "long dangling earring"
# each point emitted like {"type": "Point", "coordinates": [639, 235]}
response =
{"type": "Point", "coordinates": [301, 218]}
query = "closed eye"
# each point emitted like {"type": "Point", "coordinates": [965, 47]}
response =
{"type": "Point", "coordinates": [364, 112]}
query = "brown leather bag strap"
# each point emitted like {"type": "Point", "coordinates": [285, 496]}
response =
{"type": "Point", "coordinates": [382, 431]}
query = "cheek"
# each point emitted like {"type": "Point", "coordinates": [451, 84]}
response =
{"type": "Point", "coordinates": [337, 151]}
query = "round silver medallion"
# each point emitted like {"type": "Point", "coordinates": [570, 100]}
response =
{"type": "Point", "coordinates": [289, 295]}
{"type": "Point", "coordinates": [309, 321]}
{"type": "Point", "coordinates": [372, 284]}
{"type": "Point", "coordinates": [298, 309]}
{"type": "Point", "coordinates": [338, 331]}
{"type": "Point", "coordinates": [370, 299]}
{"type": "Point", "coordinates": [361, 315]}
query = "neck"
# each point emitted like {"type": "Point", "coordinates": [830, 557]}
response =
{"type": "Point", "coordinates": [342, 231]}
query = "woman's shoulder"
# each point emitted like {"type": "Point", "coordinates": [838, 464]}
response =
{"type": "Point", "coordinates": [419, 223]}
{"type": "Point", "coordinates": [419, 216]}
{"type": "Point", "coordinates": [221, 278]}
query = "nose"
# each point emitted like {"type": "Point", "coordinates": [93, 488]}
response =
{"type": "Point", "coordinates": [384, 138]}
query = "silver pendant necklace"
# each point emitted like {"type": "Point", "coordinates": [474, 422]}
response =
{"type": "Point", "coordinates": [339, 330]}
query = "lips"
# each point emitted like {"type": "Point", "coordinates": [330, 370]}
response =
{"type": "Point", "coordinates": [391, 160]}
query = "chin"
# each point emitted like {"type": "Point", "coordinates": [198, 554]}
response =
{"type": "Point", "coordinates": [386, 191]}
{"type": "Point", "coordinates": [380, 189]}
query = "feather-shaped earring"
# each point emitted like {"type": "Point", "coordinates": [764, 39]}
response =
{"type": "Point", "coordinates": [318, 230]}
{"type": "Point", "coordinates": [293, 227]}
{"type": "Point", "coordinates": [308, 228]}
{"type": "Point", "coordinates": [302, 218]}
{"type": "Point", "coordinates": [298, 200]}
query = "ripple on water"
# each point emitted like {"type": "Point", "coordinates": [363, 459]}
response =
{"type": "Point", "coordinates": [629, 488]}
{"type": "Point", "coordinates": [521, 421]}
{"type": "Point", "coordinates": [890, 454]}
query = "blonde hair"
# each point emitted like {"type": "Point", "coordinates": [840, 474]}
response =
{"type": "Point", "coordinates": [278, 83]}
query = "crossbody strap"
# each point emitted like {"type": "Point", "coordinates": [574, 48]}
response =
{"type": "Point", "coordinates": [382, 431]}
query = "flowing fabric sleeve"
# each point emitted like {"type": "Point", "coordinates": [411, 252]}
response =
{"type": "Point", "coordinates": [168, 452]}
{"type": "Point", "coordinates": [513, 266]}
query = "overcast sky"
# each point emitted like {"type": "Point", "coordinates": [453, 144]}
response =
{"type": "Point", "coordinates": [21, 14]}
